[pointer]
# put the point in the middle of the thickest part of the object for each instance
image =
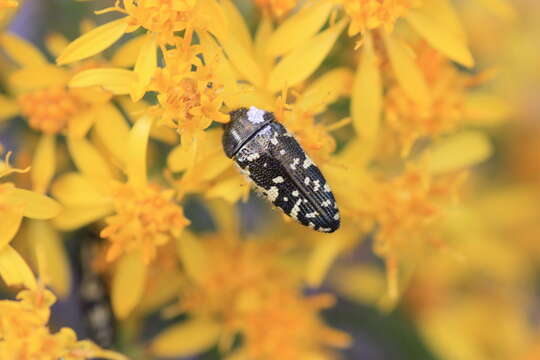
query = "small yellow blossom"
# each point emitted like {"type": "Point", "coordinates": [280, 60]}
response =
{"type": "Point", "coordinates": [371, 14]}
{"type": "Point", "coordinates": [48, 105]}
{"type": "Point", "coordinates": [24, 333]}
{"type": "Point", "coordinates": [144, 219]}
{"type": "Point", "coordinates": [246, 290]}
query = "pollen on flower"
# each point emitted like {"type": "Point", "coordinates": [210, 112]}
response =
{"type": "Point", "coordinates": [254, 295]}
{"type": "Point", "coordinates": [409, 120]}
{"type": "Point", "coordinates": [189, 101]}
{"type": "Point", "coordinates": [405, 207]}
{"type": "Point", "coordinates": [144, 219]}
{"type": "Point", "coordinates": [24, 333]}
{"type": "Point", "coordinates": [162, 17]}
{"type": "Point", "coordinates": [49, 110]}
{"type": "Point", "coordinates": [371, 14]}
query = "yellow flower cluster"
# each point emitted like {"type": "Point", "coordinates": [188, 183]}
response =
{"type": "Point", "coordinates": [24, 335]}
{"type": "Point", "coordinates": [121, 134]}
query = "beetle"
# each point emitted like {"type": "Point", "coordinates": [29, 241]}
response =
{"type": "Point", "coordinates": [281, 170]}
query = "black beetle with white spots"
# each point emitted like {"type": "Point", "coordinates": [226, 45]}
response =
{"type": "Point", "coordinates": [280, 169]}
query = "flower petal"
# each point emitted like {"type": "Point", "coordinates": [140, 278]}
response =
{"type": "Point", "coordinates": [36, 206]}
{"type": "Point", "coordinates": [408, 73]}
{"type": "Point", "coordinates": [145, 66]}
{"type": "Point", "coordinates": [502, 8]}
{"type": "Point", "coordinates": [55, 43]}
{"type": "Point", "coordinates": [93, 42]}
{"type": "Point", "coordinates": [211, 16]}
{"type": "Point", "coordinates": [52, 262]}
{"type": "Point", "coordinates": [321, 258]}
{"type": "Point", "coordinates": [193, 256]}
{"type": "Point", "coordinates": [21, 51]}
{"type": "Point", "coordinates": [298, 28]}
{"type": "Point", "coordinates": [43, 163]}
{"type": "Point", "coordinates": [10, 221]}
{"type": "Point", "coordinates": [88, 159]}
{"type": "Point", "coordinates": [128, 284]}
{"type": "Point", "coordinates": [243, 60]}
{"type": "Point", "coordinates": [237, 25]}
{"type": "Point", "coordinates": [366, 101]}
{"type": "Point", "coordinates": [37, 77]}
{"type": "Point", "coordinates": [325, 90]}
{"type": "Point", "coordinates": [80, 123]}
{"type": "Point", "coordinates": [110, 127]}
{"type": "Point", "coordinates": [458, 151]}
{"type": "Point", "coordinates": [76, 190]}
{"type": "Point", "coordinates": [14, 270]}
{"type": "Point", "coordinates": [486, 109]}
{"type": "Point", "coordinates": [264, 31]}
{"type": "Point", "coordinates": [437, 22]}
{"type": "Point", "coordinates": [136, 156]}
{"type": "Point", "coordinates": [126, 55]}
{"type": "Point", "coordinates": [117, 81]}
{"type": "Point", "coordinates": [299, 64]}
{"type": "Point", "coordinates": [188, 338]}
{"type": "Point", "coordinates": [77, 217]}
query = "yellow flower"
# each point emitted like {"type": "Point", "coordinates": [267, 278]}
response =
{"type": "Point", "coordinates": [371, 14]}
{"type": "Point", "coordinates": [48, 105]}
{"type": "Point", "coordinates": [248, 290]}
{"type": "Point", "coordinates": [24, 334]}
{"type": "Point", "coordinates": [139, 216]}
{"type": "Point", "coordinates": [403, 209]}
{"type": "Point", "coordinates": [15, 204]}
{"type": "Point", "coordinates": [162, 20]}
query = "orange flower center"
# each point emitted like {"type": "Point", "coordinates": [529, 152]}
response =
{"type": "Point", "coordinates": [410, 120]}
{"type": "Point", "coordinates": [145, 219]}
{"type": "Point", "coordinates": [49, 110]}
{"type": "Point", "coordinates": [163, 17]}
{"type": "Point", "coordinates": [371, 14]}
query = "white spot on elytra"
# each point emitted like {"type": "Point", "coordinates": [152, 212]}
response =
{"type": "Point", "coordinates": [282, 152]}
{"type": "Point", "coordinates": [326, 188]}
{"type": "Point", "coordinates": [265, 164]}
{"type": "Point", "coordinates": [285, 199]}
{"type": "Point", "coordinates": [296, 209]}
{"type": "Point", "coordinates": [272, 193]}
{"type": "Point", "coordinates": [278, 179]}
{"type": "Point", "coordinates": [326, 203]}
{"type": "Point", "coordinates": [255, 116]}
{"type": "Point", "coordinates": [295, 193]}
{"type": "Point", "coordinates": [336, 217]}
{"type": "Point", "coordinates": [311, 225]}
{"type": "Point", "coordinates": [325, 229]}
{"type": "Point", "coordinates": [312, 215]}
{"type": "Point", "coordinates": [307, 162]}
{"type": "Point", "coordinates": [295, 162]}
{"type": "Point", "coordinates": [273, 139]}
{"type": "Point", "coordinates": [316, 185]}
{"type": "Point", "coordinates": [253, 156]}
{"type": "Point", "coordinates": [307, 180]}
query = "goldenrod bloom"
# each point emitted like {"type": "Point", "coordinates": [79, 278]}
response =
{"type": "Point", "coordinates": [139, 216]}
{"type": "Point", "coordinates": [24, 333]}
{"type": "Point", "coordinates": [49, 107]}
{"type": "Point", "coordinates": [245, 290]}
